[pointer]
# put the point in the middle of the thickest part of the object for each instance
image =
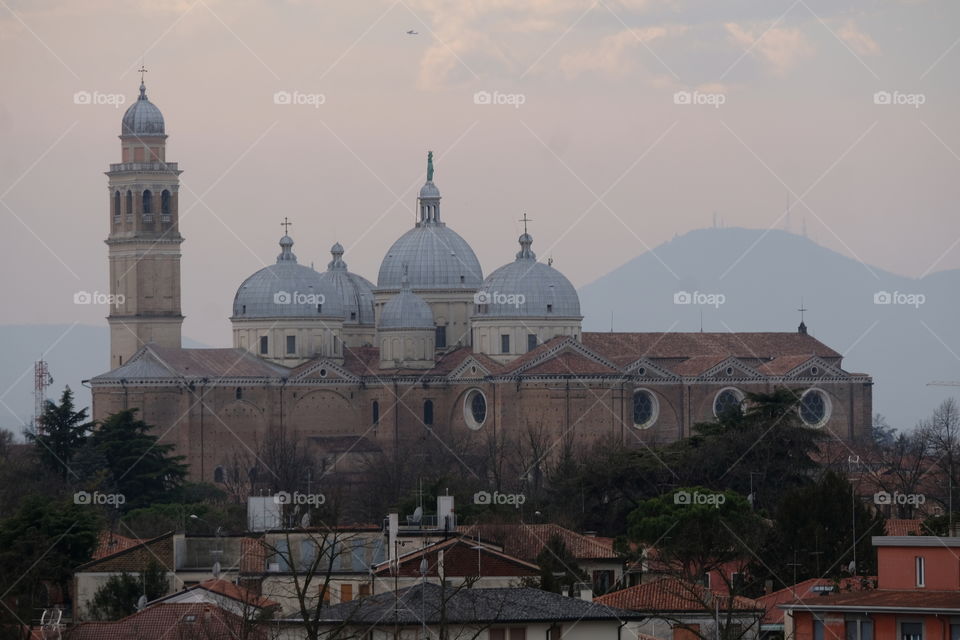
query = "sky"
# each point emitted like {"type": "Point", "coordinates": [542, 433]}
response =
{"type": "Point", "coordinates": [615, 125]}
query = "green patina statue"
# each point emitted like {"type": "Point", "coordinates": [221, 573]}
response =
{"type": "Point", "coordinates": [429, 166]}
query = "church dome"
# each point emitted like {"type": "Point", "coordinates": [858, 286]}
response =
{"type": "Point", "coordinates": [287, 290]}
{"type": "Point", "coordinates": [406, 310]}
{"type": "Point", "coordinates": [142, 118]}
{"type": "Point", "coordinates": [433, 255]}
{"type": "Point", "coordinates": [355, 292]}
{"type": "Point", "coordinates": [526, 288]}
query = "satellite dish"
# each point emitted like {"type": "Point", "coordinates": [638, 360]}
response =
{"type": "Point", "coordinates": [216, 569]}
{"type": "Point", "coordinates": [142, 602]}
{"type": "Point", "coordinates": [418, 515]}
{"type": "Point", "coordinates": [305, 520]}
{"type": "Point", "coordinates": [852, 567]}
{"type": "Point", "coordinates": [424, 566]}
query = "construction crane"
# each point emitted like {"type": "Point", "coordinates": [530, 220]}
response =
{"type": "Point", "coordinates": [944, 383]}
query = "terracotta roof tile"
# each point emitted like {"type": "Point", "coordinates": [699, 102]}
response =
{"type": "Point", "coordinates": [109, 543]}
{"type": "Point", "coordinates": [771, 602]}
{"type": "Point", "coordinates": [165, 621]}
{"type": "Point", "coordinates": [865, 600]}
{"type": "Point", "coordinates": [462, 558]}
{"type": "Point", "coordinates": [526, 541]}
{"type": "Point", "coordinates": [903, 527]}
{"type": "Point", "coordinates": [687, 345]}
{"type": "Point", "coordinates": [136, 557]}
{"type": "Point", "coordinates": [670, 594]}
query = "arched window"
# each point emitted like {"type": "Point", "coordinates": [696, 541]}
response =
{"type": "Point", "coordinates": [218, 475]}
{"type": "Point", "coordinates": [239, 393]}
{"type": "Point", "coordinates": [428, 412]}
{"type": "Point", "coordinates": [165, 202]}
{"type": "Point", "coordinates": [129, 202]}
{"type": "Point", "coordinates": [148, 201]}
{"type": "Point", "coordinates": [376, 413]}
{"type": "Point", "coordinates": [116, 204]}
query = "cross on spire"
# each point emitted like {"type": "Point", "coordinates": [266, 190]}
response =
{"type": "Point", "coordinates": [286, 224]}
{"type": "Point", "coordinates": [525, 220]}
{"type": "Point", "coordinates": [802, 309]}
{"type": "Point", "coordinates": [142, 70]}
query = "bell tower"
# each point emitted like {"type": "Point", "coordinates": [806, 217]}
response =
{"type": "Point", "coordinates": [144, 240]}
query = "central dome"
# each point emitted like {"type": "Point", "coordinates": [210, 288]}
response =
{"type": "Point", "coordinates": [436, 258]}
{"type": "Point", "coordinates": [432, 255]}
{"type": "Point", "coordinates": [142, 118]}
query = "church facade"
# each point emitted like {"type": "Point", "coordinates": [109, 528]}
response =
{"type": "Point", "coordinates": [432, 348]}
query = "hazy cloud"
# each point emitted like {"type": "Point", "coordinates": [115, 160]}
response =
{"type": "Point", "coordinates": [780, 47]}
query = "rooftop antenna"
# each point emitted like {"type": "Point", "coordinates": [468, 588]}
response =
{"type": "Point", "coordinates": [41, 380]}
{"type": "Point", "coordinates": [611, 320]}
{"type": "Point", "coordinates": [701, 320]}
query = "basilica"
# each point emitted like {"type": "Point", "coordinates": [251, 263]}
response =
{"type": "Point", "coordinates": [344, 364]}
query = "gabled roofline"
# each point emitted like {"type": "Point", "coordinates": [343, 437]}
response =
{"type": "Point", "coordinates": [117, 554]}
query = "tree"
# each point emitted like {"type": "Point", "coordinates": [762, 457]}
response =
{"type": "Point", "coordinates": [140, 468]}
{"type": "Point", "coordinates": [694, 531]}
{"type": "Point", "coordinates": [118, 596]}
{"type": "Point", "coordinates": [818, 530]}
{"type": "Point", "coordinates": [942, 433]}
{"type": "Point", "coordinates": [64, 430]}
{"type": "Point", "coordinates": [558, 567]}
{"type": "Point", "coordinates": [40, 545]}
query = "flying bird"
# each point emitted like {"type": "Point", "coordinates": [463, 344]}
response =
{"type": "Point", "coordinates": [412, 33]}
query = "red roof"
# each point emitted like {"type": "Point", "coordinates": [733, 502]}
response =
{"type": "Point", "coordinates": [462, 558]}
{"type": "Point", "coordinates": [915, 599]}
{"type": "Point", "coordinates": [686, 345]}
{"type": "Point", "coordinates": [772, 601]}
{"type": "Point", "coordinates": [903, 527]}
{"type": "Point", "coordinates": [526, 541]}
{"type": "Point", "coordinates": [671, 594]}
{"type": "Point", "coordinates": [166, 621]}
{"type": "Point", "coordinates": [109, 543]}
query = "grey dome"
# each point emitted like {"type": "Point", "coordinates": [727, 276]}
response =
{"type": "Point", "coordinates": [355, 292]}
{"type": "Point", "coordinates": [526, 288]}
{"type": "Point", "coordinates": [287, 290]}
{"type": "Point", "coordinates": [142, 118]}
{"type": "Point", "coordinates": [433, 256]}
{"type": "Point", "coordinates": [437, 258]}
{"type": "Point", "coordinates": [406, 310]}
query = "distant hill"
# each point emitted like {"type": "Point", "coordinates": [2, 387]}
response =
{"type": "Point", "coordinates": [903, 345]}
{"type": "Point", "coordinates": [74, 355]}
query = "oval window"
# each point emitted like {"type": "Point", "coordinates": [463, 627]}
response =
{"type": "Point", "coordinates": [726, 400]}
{"type": "Point", "coordinates": [475, 409]}
{"type": "Point", "coordinates": [814, 408]}
{"type": "Point", "coordinates": [645, 409]}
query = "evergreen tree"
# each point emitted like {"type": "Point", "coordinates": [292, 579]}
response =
{"type": "Point", "coordinates": [64, 430]}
